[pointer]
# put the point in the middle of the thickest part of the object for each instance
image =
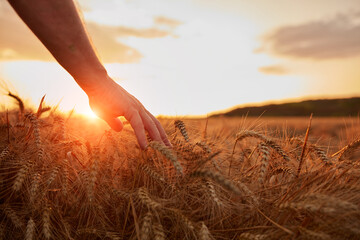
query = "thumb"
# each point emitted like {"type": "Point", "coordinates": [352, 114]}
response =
{"type": "Point", "coordinates": [115, 124]}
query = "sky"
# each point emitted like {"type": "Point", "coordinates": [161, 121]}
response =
{"type": "Point", "coordinates": [194, 57]}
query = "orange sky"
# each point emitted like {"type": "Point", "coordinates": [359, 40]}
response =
{"type": "Point", "coordinates": [194, 57]}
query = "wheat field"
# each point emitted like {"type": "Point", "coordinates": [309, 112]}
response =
{"type": "Point", "coordinates": [65, 177]}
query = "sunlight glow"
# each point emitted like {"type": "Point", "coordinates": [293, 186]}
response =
{"type": "Point", "coordinates": [90, 114]}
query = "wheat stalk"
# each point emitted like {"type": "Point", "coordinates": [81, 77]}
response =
{"type": "Point", "coordinates": [61, 122]}
{"type": "Point", "coordinates": [65, 177]}
{"type": "Point", "coordinates": [93, 174]}
{"type": "Point", "coordinates": [304, 147]}
{"type": "Point", "coordinates": [19, 101]}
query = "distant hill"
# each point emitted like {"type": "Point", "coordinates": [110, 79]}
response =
{"type": "Point", "coordinates": [321, 107]}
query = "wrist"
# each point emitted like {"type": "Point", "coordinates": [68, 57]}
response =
{"type": "Point", "coordinates": [91, 81]}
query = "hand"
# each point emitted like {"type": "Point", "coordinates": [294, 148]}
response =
{"type": "Point", "coordinates": [110, 101]}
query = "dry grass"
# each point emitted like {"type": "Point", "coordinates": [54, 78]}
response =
{"type": "Point", "coordinates": [67, 178]}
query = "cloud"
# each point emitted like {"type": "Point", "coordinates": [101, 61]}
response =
{"type": "Point", "coordinates": [274, 70]}
{"type": "Point", "coordinates": [110, 49]}
{"type": "Point", "coordinates": [17, 42]}
{"type": "Point", "coordinates": [337, 37]}
{"type": "Point", "coordinates": [16, 39]}
{"type": "Point", "coordinates": [161, 20]}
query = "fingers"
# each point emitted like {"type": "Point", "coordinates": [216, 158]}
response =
{"type": "Point", "coordinates": [114, 123]}
{"type": "Point", "coordinates": [138, 126]}
{"type": "Point", "coordinates": [150, 126]}
{"type": "Point", "coordinates": [161, 130]}
{"type": "Point", "coordinates": [143, 120]}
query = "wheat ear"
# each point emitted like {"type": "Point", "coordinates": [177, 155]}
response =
{"type": "Point", "coordinates": [204, 146]}
{"type": "Point", "coordinates": [245, 134]}
{"type": "Point", "coordinates": [264, 161]}
{"type": "Point", "coordinates": [278, 149]}
{"type": "Point", "coordinates": [146, 199]}
{"type": "Point", "coordinates": [181, 126]}
{"type": "Point", "coordinates": [53, 175]}
{"type": "Point", "coordinates": [30, 230]}
{"type": "Point", "coordinates": [10, 213]}
{"type": "Point", "coordinates": [21, 175]}
{"type": "Point", "coordinates": [250, 236]}
{"type": "Point", "coordinates": [217, 178]}
{"type": "Point", "coordinates": [146, 227]}
{"type": "Point", "coordinates": [34, 186]}
{"type": "Point", "coordinates": [4, 153]}
{"type": "Point", "coordinates": [348, 149]}
{"type": "Point", "coordinates": [168, 154]}
{"type": "Point", "coordinates": [19, 101]}
{"type": "Point", "coordinates": [315, 149]}
{"type": "Point", "coordinates": [46, 223]}
{"type": "Point", "coordinates": [36, 130]}
{"type": "Point", "coordinates": [158, 231]}
{"type": "Point", "coordinates": [212, 192]}
{"type": "Point", "coordinates": [204, 233]}
{"type": "Point", "coordinates": [152, 173]}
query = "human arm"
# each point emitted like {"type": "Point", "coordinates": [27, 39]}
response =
{"type": "Point", "coordinates": [58, 26]}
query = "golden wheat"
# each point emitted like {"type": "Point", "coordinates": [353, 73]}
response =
{"type": "Point", "coordinates": [264, 161]}
{"type": "Point", "coordinates": [30, 230]}
{"type": "Point", "coordinates": [168, 154]}
{"type": "Point", "coordinates": [158, 231]}
{"type": "Point", "coordinates": [146, 227]}
{"type": "Point", "coordinates": [251, 236]}
{"type": "Point", "coordinates": [146, 199]}
{"type": "Point", "coordinates": [348, 149]}
{"type": "Point", "coordinates": [181, 126]}
{"type": "Point", "coordinates": [46, 223]}
{"type": "Point", "coordinates": [15, 219]}
{"type": "Point", "coordinates": [204, 233]}
{"type": "Point", "coordinates": [135, 194]}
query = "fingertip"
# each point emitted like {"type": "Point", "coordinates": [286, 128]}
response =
{"type": "Point", "coordinates": [168, 143]}
{"type": "Point", "coordinates": [143, 145]}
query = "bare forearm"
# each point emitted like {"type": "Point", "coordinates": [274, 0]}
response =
{"type": "Point", "coordinates": [58, 26]}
